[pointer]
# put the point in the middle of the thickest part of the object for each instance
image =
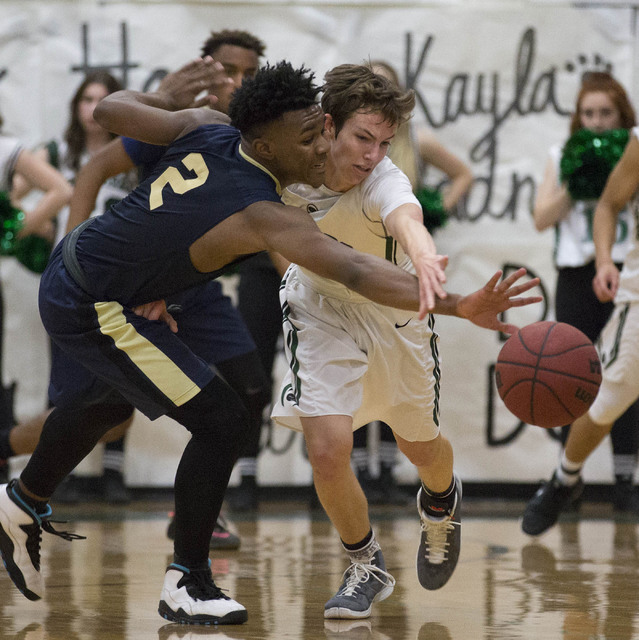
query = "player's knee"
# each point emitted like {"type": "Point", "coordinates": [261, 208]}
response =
{"type": "Point", "coordinates": [255, 399]}
{"type": "Point", "coordinates": [247, 378]}
{"type": "Point", "coordinates": [216, 410]}
{"type": "Point", "coordinates": [328, 458]}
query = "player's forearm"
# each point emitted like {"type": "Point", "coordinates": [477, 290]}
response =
{"type": "Point", "coordinates": [551, 208]}
{"type": "Point", "coordinates": [448, 306]}
{"type": "Point", "coordinates": [457, 189]}
{"type": "Point", "coordinates": [46, 209]}
{"type": "Point", "coordinates": [406, 225]}
{"type": "Point", "coordinates": [84, 196]}
{"type": "Point", "coordinates": [379, 281]}
{"type": "Point", "coordinates": [142, 116]}
{"type": "Point", "coordinates": [604, 231]}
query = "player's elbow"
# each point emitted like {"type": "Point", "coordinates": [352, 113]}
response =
{"type": "Point", "coordinates": [106, 110]}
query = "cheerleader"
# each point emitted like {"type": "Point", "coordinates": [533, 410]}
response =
{"type": "Point", "coordinates": [566, 200]}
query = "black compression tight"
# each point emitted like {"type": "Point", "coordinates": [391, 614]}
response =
{"type": "Point", "coordinates": [68, 435]}
{"type": "Point", "coordinates": [245, 374]}
{"type": "Point", "coordinates": [218, 422]}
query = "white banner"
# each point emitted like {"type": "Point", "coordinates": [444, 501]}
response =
{"type": "Point", "coordinates": [496, 82]}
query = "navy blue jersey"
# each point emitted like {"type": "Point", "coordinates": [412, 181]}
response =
{"type": "Point", "coordinates": [138, 251]}
{"type": "Point", "coordinates": [143, 155]}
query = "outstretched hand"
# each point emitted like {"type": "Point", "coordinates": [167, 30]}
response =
{"type": "Point", "coordinates": [484, 306]}
{"type": "Point", "coordinates": [184, 85]}
{"type": "Point", "coordinates": [431, 275]}
{"type": "Point", "coordinates": [156, 310]}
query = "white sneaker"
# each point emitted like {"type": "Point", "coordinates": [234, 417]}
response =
{"type": "Point", "coordinates": [192, 597]}
{"type": "Point", "coordinates": [20, 536]}
{"type": "Point", "coordinates": [177, 631]}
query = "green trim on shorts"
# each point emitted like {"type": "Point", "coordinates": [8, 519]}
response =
{"type": "Point", "coordinates": [614, 352]}
{"type": "Point", "coordinates": [291, 393]}
{"type": "Point", "coordinates": [391, 250]}
{"type": "Point", "coordinates": [437, 373]}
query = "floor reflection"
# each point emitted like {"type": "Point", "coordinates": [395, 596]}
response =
{"type": "Point", "coordinates": [579, 581]}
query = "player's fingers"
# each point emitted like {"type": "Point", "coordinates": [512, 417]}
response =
{"type": "Point", "coordinates": [437, 288]}
{"type": "Point", "coordinates": [154, 313]}
{"type": "Point", "coordinates": [522, 302]}
{"type": "Point", "coordinates": [522, 288]}
{"type": "Point", "coordinates": [507, 282]}
{"type": "Point", "coordinates": [170, 320]}
{"type": "Point", "coordinates": [208, 100]}
{"type": "Point", "coordinates": [508, 328]}
{"type": "Point", "coordinates": [426, 300]}
{"type": "Point", "coordinates": [492, 283]}
{"type": "Point", "coordinates": [141, 310]}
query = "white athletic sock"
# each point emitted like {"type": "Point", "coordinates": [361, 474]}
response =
{"type": "Point", "coordinates": [366, 553]}
{"type": "Point", "coordinates": [568, 472]}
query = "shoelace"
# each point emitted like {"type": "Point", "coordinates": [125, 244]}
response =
{"type": "Point", "coordinates": [200, 586]}
{"type": "Point", "coordinates": [359, 573]}
{"type": "Point", "coordinates": [437, 538]}
{"type": "Point", "coordinates": [34, 536]}
{"type": "Point", "coordinates": [65, 535]}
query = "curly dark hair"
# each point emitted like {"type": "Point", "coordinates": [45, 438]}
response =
{"type": "Point", "coordinates": [235, 38]}
{"type": "Point", "coordinates": [274, 91]}
{"type": "Point", "coordinates": [352, 87]}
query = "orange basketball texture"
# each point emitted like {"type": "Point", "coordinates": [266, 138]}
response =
{"type": "Point", "coordinates": [548, 374]}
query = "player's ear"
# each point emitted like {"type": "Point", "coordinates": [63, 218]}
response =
{"type": "Point", "coordinates": [329, 125]}
{"type": "Point", "coordinates": [263, 148]}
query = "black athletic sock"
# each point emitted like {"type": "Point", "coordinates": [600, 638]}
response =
{"type": "Point", "coordinates": [39, 506]}
{"type": "Point", "coordinates": [438, 504]}
{"type": "Point", "coordinates": [361, 544]}
{"type": "Point", "coordinates": [192, 566]}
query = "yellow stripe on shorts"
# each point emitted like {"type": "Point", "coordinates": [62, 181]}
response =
{"type": "Point", "coordinates": [160, 369]}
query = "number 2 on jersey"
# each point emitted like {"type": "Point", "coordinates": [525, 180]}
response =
{"type": "Point", "coordinates": [180, 185]}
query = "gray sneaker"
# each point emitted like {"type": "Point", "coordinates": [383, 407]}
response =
{"type": "Point", "coordinates": [348, 629]}
{"type": "Point", "coordinates": [363, 584]}
{"type": "Point", "coordinates": [440, 543]}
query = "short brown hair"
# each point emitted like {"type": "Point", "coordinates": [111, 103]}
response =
{"type": "Point", "coordinates": [595, 81]}
{"type": "Point", "coordinates": [349, 88]}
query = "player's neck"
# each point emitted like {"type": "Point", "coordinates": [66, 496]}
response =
{"type": "Point", "coordinates": [246, 151]}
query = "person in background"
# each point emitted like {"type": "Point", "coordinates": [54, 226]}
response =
{"type": "Point", "coordinates": [82, 139]}
{"type": "Point", "coordinates": [617, 345]}
{"type": "Point", "coordinates": [602, 107]}
{"type": "Point", "coordinates": [414, 149]}
{"type": "Point", "coordinates": [18, 162]}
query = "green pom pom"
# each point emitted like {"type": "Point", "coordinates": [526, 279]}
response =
{"type": "Point", "coordinates": [11, 221]}
{"type": "Point", "coordinates": [435, 215]}
{"type": "Point", "coordinates": [587, 160]}
{"type": "Point", "coordinates": [32, 251]}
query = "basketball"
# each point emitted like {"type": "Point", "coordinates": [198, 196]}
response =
{"type": "Point", "coordinates": [548, 374]}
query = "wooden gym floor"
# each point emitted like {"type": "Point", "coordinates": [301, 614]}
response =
{"type": "Point", "coordinates": [580, 581]}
